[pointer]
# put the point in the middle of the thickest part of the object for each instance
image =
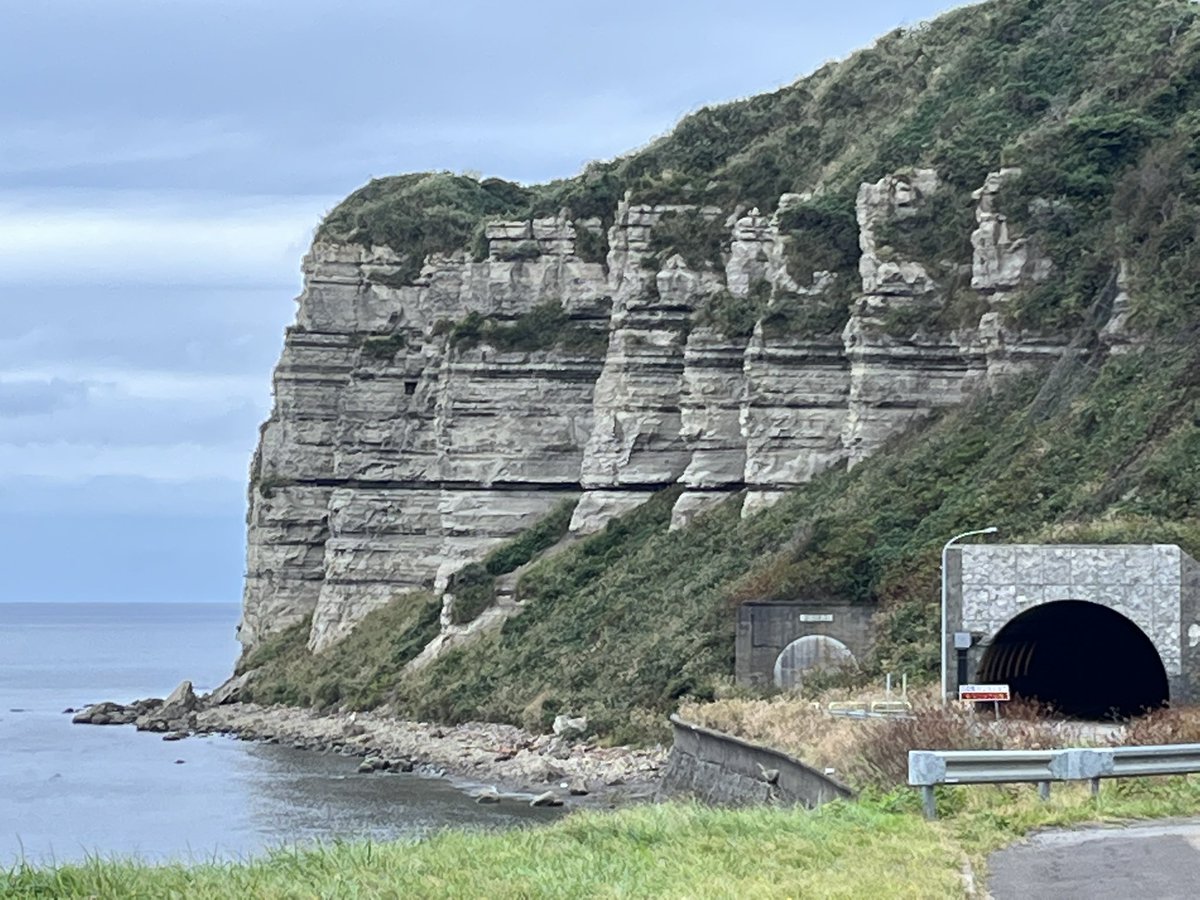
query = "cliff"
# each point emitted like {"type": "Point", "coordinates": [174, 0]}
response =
{"type": "Point", "coordinates": [416, 426]}
{"type": "Point", "coordinates": [774, 354]}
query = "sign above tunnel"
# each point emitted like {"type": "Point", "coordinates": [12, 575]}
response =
{"type": "Point", "coordinates": [976, 693]}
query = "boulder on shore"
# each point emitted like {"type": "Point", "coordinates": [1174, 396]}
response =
{"type": "Point", "coordinates": [175, 714]}
{"type": "Point", "coordinates": [570, 726]}
{"type": "Point", "coordinates": [547, 799]}
{"type": "Point", "coordinates": [106, 713]}
{"type": "Point", "coordinates": [231, 690]}
{"type": "Point", "coordinates": [183, 697]}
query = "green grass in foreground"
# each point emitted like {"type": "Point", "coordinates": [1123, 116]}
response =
{"type": "Point", "coordinates": [877, 848]}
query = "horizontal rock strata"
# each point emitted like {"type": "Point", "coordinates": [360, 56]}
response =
{"type": "Point", "coordinates": [417, 425]}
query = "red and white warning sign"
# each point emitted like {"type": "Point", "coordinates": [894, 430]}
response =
{"type": "Point", "coordinates": [977, 693]}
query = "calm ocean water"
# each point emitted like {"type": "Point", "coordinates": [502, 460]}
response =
{"type": "Point", "coordinates": [71, 790]}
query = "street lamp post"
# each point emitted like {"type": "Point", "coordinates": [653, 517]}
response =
{"type": "Point", "coordinates": [992, 529]}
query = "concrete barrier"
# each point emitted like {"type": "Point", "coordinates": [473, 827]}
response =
{"type": "Point", "coordinates": [728, 771]}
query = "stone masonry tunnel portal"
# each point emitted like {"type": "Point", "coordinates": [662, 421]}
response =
{"type": "Point", "coordinates": [1082, 658]}
{"type": "Point", "coordinates": [1094, 630]}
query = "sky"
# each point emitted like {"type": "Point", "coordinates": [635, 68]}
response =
{"type": "Point", "coordinates": [164, 163]}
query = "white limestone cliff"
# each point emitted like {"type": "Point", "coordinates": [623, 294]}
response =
{"type": "Point", "coordinates": [397, 451]}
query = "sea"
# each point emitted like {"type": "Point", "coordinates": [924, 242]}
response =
{"type": "Point", "coordinates": [68, 792]}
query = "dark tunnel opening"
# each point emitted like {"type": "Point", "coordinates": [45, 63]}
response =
{"type": "Point", "coordinates": [1085, 660]}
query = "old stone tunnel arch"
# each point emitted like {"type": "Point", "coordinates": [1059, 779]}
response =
{"type": "Point", "coordinates": [808, 655]}
{"type": "Point", "coordinates": [1085, 659]}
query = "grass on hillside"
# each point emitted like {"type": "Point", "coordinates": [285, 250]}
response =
{"type": "Point", "coordinates": [636, 618]}
{"type": "Point", "coordinates": [879, 847]}
{"type": "Point", "coordinates": [623, 625]}
{"type": "Point", "coordinates": [474, 585]}
{"type": "Point", "coordinates": [358, 673]}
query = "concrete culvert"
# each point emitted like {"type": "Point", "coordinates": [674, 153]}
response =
{"type": "Point", "coordinates": [1086, 660]}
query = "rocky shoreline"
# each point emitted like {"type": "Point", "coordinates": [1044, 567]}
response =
{"type": "Point", "coordinates": [495, 762]}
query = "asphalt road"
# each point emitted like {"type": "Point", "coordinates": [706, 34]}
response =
{"type": "Point", "coordinates": [1158, 860]}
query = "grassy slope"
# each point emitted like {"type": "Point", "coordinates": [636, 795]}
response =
{"type": "Point", "coordinates": [880, 847]}
{"type": "Point", "coordinates": [359, 672]}
{"type": "Point", "coordinates": [634, 618]}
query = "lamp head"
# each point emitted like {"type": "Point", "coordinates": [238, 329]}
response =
{"type": "Point", "coordinates": [991, 529]}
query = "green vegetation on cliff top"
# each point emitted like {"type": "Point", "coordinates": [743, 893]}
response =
{"type": "Point", "coordinates": [1097, 102]}
{"type": "Point", "coordinates": [1094, 99]}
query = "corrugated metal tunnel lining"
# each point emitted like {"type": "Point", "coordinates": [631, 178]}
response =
{"type": "Point", "coordinates": [1084, 659]}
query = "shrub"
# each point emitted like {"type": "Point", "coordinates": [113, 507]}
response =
{"type": "Point", "coordinates": [545, 327]}
{"type": "Point", "coordinates": [702, 240]}
{"type": "Point", "coordinates": [591, 246]}
{"type": "Point", "coordinates": [736, 316]}
{"type": "Point", "coordinates": [1163, 726]}
{"type": "Point", "coordinates": [421, 214]}
{"type": "Point", "coordinates": [520, 252]}
{"type": "Point", "coordinates": [938, 235]}
{"type": "Point", "coordinates": [552, 528]}
{"type": "Point", "coordinates": [473, 588]}
{"type": "Point", "coordinates": [820, 235]}
{"type": "Point", "coordinates": [384, 348]}
{"type": "Point", "coordinates": [882, 751]}
{"type": "Point", "coordinates": [808, 316]}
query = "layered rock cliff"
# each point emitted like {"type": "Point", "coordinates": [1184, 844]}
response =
{"type": "Point", "coordinates": [748, 309]}
{"type": "Point", "coordinates": [419, 421]}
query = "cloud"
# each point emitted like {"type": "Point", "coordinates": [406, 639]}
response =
{"type": "Point", "coordinates": [96, 423]}
{"type": "Point", "coordinates": [249, 96]}
{"type": "Point", "coordinates": [134, 240]}
{"type": "Point", "coordinates": [163, 167]}
{"type": "Point", "coordinates": [77, 462]}
{"type": "Point", "coordinates": [145, 384]}
{"type": "Point", "coordinates": [34, 397]}
{"type": "Point", "coordinates": [123, 495]}
{"type": "Point", "coordinates": [47, 145]}
{"type": "Point", "coordinates": [94, 330]}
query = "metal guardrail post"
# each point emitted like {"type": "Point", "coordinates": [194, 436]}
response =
{"type": "Point", "coordinates": [1044, 790]}
{"type": "Point", "coordinates": [928, 802]}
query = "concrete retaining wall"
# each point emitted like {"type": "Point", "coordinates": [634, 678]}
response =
{"type": "Point", "coordinates": [727, 771]}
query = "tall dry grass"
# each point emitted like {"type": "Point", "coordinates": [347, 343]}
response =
{"type": "Point", "coordinates": [874, 752]}
{"type": "Point", "coordinates": [1180, 725]}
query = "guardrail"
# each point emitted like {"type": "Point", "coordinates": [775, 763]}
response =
{"type": "Point", "coordinates": [927, 768]}
{"type": "Point", "coordinates": [877, 709]}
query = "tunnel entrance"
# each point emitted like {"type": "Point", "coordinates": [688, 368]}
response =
{"type": "Point", "coordinates": [1086, 660]}
{"type": "Point", "coordinates": [810, 654]}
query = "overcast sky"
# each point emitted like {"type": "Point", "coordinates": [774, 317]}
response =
{"type": "Point", "coordinates": [163, 164]}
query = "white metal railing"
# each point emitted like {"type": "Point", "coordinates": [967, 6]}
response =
{"type": "Point", "coordinates": [927, 768]}
{"type": "Point", "coordinates": [874, 709]}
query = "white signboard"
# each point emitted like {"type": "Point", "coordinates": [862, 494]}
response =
{"type": "Point", "coordinates": [812, 617]}
{"type": "Point", "coordinates": [984, 692]}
